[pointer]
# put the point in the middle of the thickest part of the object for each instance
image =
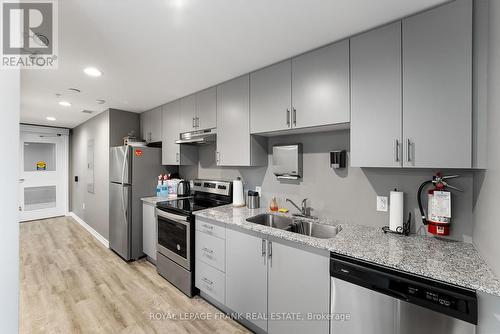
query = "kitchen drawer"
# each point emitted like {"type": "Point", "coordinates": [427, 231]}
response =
{"type": "Point", "coordinates": [210, 250]}
{"type": "Point", "coordinates": [211, 281]}
{"type": "Point", "coordinates": [209, 228]}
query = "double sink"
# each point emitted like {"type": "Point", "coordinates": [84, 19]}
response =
{"type": "Point", "coordinates": [296, 225]}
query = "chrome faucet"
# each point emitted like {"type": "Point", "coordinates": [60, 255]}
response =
{"type": "Point", "coordinates": [302, 209]}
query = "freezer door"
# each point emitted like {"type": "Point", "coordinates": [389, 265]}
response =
{"type": "Point", "coordinates": [119, 165]}
{"type": "Point", "coordinates": [357, 310]}
{"type": "Point", "coordinates": [119, 219]}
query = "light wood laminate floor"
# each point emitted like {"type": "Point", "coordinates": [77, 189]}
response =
{"type": "Point", "coordinates": [70, 283]}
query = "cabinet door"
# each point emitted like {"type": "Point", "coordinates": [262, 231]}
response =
{"type": "Point", "coordinates": [233, 123]}
{"type": "Point", "coordinates": [298, 282]}
{"type": "Point", "coordinates": [320, 86]}
{"type": "Point", "coordinates": [246, 275]}
{"type": "Point", "coordinates": [270, 98]}
{"type": "Point", "coordinates": [187, 113]}
{"type": "Point", "coordinates": [206, 109]}
{"type": "Point", "coordinates": [145, 120]}
{"type": "Point", "coordinates": [437, 87]}
{"type": "Point", "coordinates": [376, 107]}
{"type": "Point", "coordinates": [149, 230]}
{"type": "Point", "coordinates": [170, 151]}
{"type": "Point", "coordinates": [155, 124]}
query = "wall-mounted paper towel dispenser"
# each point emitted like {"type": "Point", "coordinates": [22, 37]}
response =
{"type": "Point", "coordinates": [287, 161]}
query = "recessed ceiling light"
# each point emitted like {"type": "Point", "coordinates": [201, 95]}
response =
{"type": "Point", "coordinates": [65, 103]}
{"type": "Point", "coordinates": [98, 101]}
{"type": "Point", "coordinates": [50, 118]}
{"type": "Point", "coordinates": [92, 71]}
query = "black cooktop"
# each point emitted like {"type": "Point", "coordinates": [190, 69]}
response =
{"type": "Point", "coordinates": [188, 205]}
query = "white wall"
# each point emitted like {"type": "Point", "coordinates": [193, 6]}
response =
{"type": "Point", "coordinates": [487, 183]}
{"type": "Point", "coordinates": [9, 236]}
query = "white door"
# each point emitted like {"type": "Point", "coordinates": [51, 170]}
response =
{"type": "Point", "coordinates": [43, 177]}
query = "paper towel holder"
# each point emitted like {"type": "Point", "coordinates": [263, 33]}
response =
{"type": "Point", "coordinates": [338, 159]}
{"type": "Point", "coordinates": [405, 230]}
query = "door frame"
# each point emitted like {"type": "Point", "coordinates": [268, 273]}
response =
{"type": "Point", "coordinates": [45, 130]}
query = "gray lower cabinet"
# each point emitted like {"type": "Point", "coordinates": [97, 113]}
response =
{"type": "Point", "coordinates": [270, 98]}
{"type": "Point", "coordinates": [437, 87]}
{"type": "Point", "coordinates": [149, 236]}
{"type": "Point", "coordinates": [235, 145]}
{"type": "Point", "coordinates": [320, 86]}
{"type": "Point", "coordinates": [151, 125]}
{"type": "Point", "coordinates": [376, 108]}
{"type": "Point", "coordinates": [298, 283]}
{"type": "Point", "coordinates": [172, 153]}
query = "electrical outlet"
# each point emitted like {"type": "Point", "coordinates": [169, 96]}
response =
{"type": "Point", "coordinates": [259, 190]}
{"type": "Point", "coordinates": [83, 206]}
{"type": "Point", "coordinates": [382, 203]}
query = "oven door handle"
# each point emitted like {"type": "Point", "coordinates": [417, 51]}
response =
{"type": "Point", "coordinates": [177, 218]}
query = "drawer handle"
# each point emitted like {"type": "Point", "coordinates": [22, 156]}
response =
{"type": "Point", "coordinates": [207, 281]}
{"type": "Point", "coordinates": [207, 250]}
{"type": "Point", "coordinates": [210, 227]}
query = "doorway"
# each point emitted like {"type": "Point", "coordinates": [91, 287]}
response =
{"type": "Point", "coordinates": [43, 176]}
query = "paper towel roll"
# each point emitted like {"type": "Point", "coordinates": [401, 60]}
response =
{"type": "Point", "coordinates": [238, 197]}
{"type": "Point", "coordinates": [396, 211]}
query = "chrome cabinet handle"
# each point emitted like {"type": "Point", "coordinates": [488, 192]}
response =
{"type": "Point", "coordinates": [217, 157]}
{"type": "Point", "coordinates": [177, 156]}
{"type": "Point", "coordinates": [263, 247]}
{"type": "Point", "coordinates": [288, 117]}
{"type": "Point", "coordinates": [270, 253]}
{"type": "Point", "coordinates": [294, 117]}
{"type": "Point", "coordinates": [408, 150]}
{"type": "Point", "coordinates": [197, 122]}
{"type": "Point", "coordinates": [397, 151]}
{"type": "Point", "coordinates": [208, 226]}
{"type": "Point", "coordinates": [207, 250]}
{"type": "Point", "coordinates": [206, 280]}
{"type": "Point", "coordinates": [193, 123]}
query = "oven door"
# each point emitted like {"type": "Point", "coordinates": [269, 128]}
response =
{"type": "Point", "coordinates": [174, 237]}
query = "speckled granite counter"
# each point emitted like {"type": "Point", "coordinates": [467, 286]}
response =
{"type": "Point", "coordinates": [452, 262]}
{"type": "Point", "coordinates": [155, 199]}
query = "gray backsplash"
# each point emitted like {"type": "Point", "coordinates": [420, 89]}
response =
{"type": "Point", "coordinates": [345, 195]}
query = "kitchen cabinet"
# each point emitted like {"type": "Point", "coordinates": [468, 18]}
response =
{"type": "Point", "coordinates": [149, 237]}
{"type": "Point", "coordinates": [437, 87]}
{"type": "Point", "coordinates": [187, 114]}
{"type": "Point", "coordinates": [151, 125]}
{"type": "Point", "coordinates": [172, 153]}
{"type": "Point", "coordinates": [206, 109]}
{"type": "Point", "coordinates": [298, 283]}
{"type": "Point", "coordinates": [376, 109]}
{"type": "Point", "coordinates": [320, 86]}
{"type": "Point", "coordinates": [235, 145]}
{"type": "Point", "coordinates": [246, 276]}
{"type": "Point", "coordinates": [271, 98]}
{"type": "Point", "coordinates": [199, 111]}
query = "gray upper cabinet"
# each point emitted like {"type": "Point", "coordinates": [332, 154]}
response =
{"type": "Point", "coordinates": [235, 145]}
{"type": "Point", "coordinates": [298, 283]}
{"type": "Point", "coordinates": [437, 87]}
{"type": "Point", "coordinates": [206, 109]}
{"type": "Point", "coordinates": [151, 125]}
{"type": "Point", "coordinates": [320, 86]}
{"type": "Point", "coordinates": [376, 106]}
{"type": "Point", "coordinates": [188, 113]}
{"type": "Point", "coordinates": [172, 153]}
{"type": "Point", "coordinates": [246, 275]}
{"type": "Point", "coordinates": [270, 98]}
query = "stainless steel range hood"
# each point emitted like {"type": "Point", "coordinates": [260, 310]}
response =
{"type": "Point", "coordinates": [198, 137]}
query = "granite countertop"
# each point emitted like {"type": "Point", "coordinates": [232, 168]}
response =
{"type": "Point", "coordinates": [156, 199]}
{"type": "Point", "coordinates": [452, 262]}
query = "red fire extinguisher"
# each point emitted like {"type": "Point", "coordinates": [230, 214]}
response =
{"type": "Point", "coordinates": [438, 218]}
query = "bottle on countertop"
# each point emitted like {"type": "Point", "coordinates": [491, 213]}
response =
{"type": "Point", "coordinates": [274, 205]}
{"type": "Point", "coordinates": [164, 186]}
{"type": "Point", "coordinates": [158, 186]}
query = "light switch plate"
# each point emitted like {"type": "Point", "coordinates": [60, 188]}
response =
{"type": "Point", "coordinates": [382, 203]}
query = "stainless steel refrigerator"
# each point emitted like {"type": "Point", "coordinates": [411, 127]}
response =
{"type": "Point", "coordinates": [133, 175]}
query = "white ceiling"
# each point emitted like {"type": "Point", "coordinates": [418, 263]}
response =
{"type": "Point", "coordinates": [154, 51]}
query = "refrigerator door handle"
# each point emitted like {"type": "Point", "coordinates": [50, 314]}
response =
{"type": "Point", "coordinates": [125, 157]}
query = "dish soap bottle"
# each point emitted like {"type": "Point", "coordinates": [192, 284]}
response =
{"type": "Point", "coordinates": [158, 186]}
{"type": "Point", "coordinates": [274, 205]}
{"type": "Point", "coordinates": [164, 186]}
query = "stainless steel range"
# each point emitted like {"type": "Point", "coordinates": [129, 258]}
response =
{"type": "Point", "coordinates": [175, 249]}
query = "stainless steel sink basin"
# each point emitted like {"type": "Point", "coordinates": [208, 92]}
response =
{"type": "Point", "coordinates": [271, 220]}
{"type": "Point", "coordinates": [295, 225]}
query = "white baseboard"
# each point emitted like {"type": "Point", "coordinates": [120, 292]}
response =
{"type": "Point", "coordinates": [86, 226]}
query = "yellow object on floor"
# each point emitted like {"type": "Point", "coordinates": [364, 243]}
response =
{"type": "Point", "coordinates": [283, 210]}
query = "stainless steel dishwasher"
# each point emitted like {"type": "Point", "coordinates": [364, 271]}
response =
{"type": "Point", "coordinates": [368, 298]}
